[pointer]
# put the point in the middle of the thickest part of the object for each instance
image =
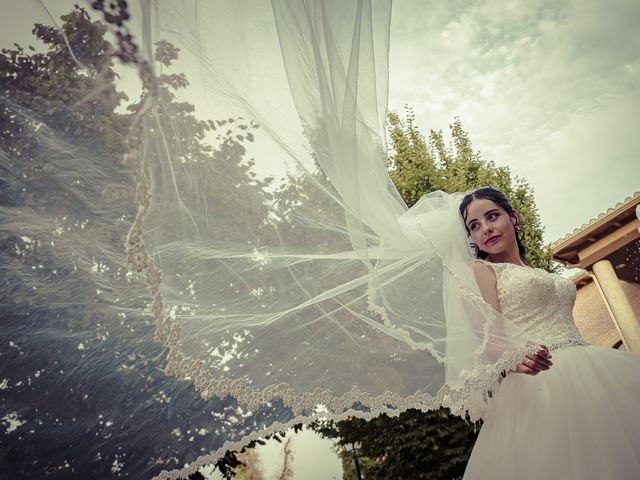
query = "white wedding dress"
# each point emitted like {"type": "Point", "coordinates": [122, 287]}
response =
{"type": "Point", "coordinates": [578, 420]}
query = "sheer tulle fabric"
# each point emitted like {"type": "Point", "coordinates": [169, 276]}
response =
{"type": "Point", "coordinates": [318, 302]}
{"type": "Point", "coordinates": [276, 263]}
{"type": "Point", "coordinates": [576, 420]}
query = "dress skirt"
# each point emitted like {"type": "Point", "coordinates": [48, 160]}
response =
{"type": "Point", "coordinates": [578, 420]}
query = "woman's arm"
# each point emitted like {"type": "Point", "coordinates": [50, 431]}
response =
{"type": "Point", "coordinates": [487, 282]}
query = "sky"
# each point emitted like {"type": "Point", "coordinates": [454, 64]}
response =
{"type": "Point", "coordinates": [550, 89]}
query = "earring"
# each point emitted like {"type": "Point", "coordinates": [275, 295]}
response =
{"type": "Point", "coordinates": [475, 249]}
{"type": "Point", "coordinates": [519, 233]}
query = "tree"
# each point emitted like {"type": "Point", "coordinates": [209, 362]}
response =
{"type": "Point", "coordinates": [52, 89]}
{"type": "Point", "coordinates": [432, 445]}
{"type": "Point", "coordinates": [418, 166]}
{"type": "Point", "coordinates": [63, 128]}
{"type": "Point", "coordinates": [415, 445]}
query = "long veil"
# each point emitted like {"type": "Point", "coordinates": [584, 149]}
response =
{"type": "Point", "coordinates": [214, 251]}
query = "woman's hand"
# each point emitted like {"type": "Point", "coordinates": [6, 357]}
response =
{"type": "Point", "coordinates": [535, 363]}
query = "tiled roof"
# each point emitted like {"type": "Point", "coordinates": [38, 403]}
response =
{"type": "Point", "coordinates": [594, 220]}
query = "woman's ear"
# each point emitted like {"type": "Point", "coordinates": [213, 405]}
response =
{"type": "Point", "coordinates": [515, 218]}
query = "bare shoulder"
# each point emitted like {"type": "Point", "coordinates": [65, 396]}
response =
{"type": "Point", "coordinates": [487, 282]}
{"type": "Point", "coordinates": [484, 272]}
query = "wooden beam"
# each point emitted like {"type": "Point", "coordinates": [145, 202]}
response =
{"type": "Point", "coordinates": [608, 307]}
{"type": "Point", "coordinates": [618, 303]}
{"type": "Point", "coordinates": [609, 244]}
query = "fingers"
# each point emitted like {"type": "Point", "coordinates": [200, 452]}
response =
{"type": "Point", "coordinates": [545, 355]}
{"type": "Point", "coordinates": [535, 363]}
{"type": "Point", "coordinates": [544, 351]}
{"type": "Point", "coordinates": [539, 362]}
{"type": "Point", "coordinates": [522, 368]}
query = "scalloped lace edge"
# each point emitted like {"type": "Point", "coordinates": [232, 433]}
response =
{"type": "Point", "coordinates": [464, 398]}
{"type": "Point", "coordinates": [469, 395]}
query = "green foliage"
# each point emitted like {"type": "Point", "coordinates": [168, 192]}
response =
{"type": "Point", "coordinates": [232, 463]}
{"type": "Point", "coordinates": [60, 104]}
{"type": "Point", "coordinates": [419, 165]}
{"type": "Point", "coordinates": [415, 445]}
{"type": "Point", "coordinates": [76, 94]}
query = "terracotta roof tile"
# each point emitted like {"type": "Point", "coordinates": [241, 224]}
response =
{"type": "Point", "coordinates": [554, 244]}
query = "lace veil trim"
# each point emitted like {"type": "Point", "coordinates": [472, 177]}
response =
{"type": "Point", "coordinates": [469, 395]}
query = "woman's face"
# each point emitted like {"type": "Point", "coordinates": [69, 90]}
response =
{"type": "Point", "coordinates": [491, 227]}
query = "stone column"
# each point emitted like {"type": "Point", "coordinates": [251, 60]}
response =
{"type": "Point", "coordinates": [617, 301]}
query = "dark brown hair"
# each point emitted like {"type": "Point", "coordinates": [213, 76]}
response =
{"type": "Point", "coordinates": [499, 198]}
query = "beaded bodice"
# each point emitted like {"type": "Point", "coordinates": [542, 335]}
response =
{"type": "Point", "coordinates": [538, 304]}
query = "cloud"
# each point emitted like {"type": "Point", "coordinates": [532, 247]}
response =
{"type": "Point", "coordinates": [546, 88]}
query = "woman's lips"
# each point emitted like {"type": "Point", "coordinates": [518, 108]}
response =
{"type": "Point", "coordinates": [492, 240]}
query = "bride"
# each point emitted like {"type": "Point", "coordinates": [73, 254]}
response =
{"type": "Point", "coordinates": [575, 418]}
